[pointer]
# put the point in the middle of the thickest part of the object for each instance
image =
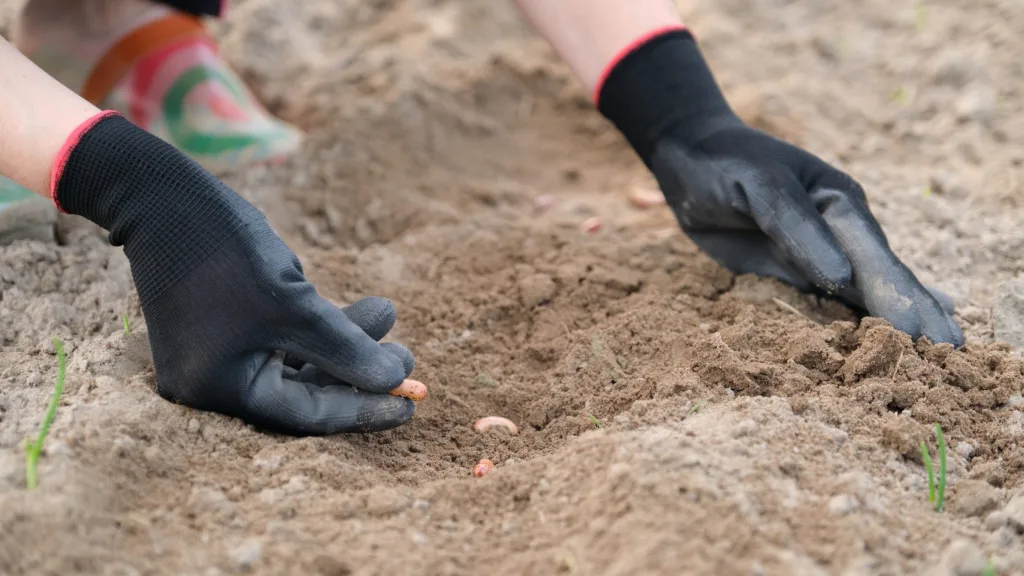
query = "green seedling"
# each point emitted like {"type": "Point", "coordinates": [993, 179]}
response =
{"type": "Point", "coordinates": [34, 448]}
{"type": "Point", "coordinates": [936, 486]}
{"type": "Point", "coordinates": [920, 15]}
{"type": "Point", "coordinates": [900, 95]}
{"type": "Point", "coordinates": [990, 568]}
{"type": "Point", "coordinates": [485, 381]}
{"type": "Point", "coordinates": [696, 407]}
{"type": "Point", "coordinates": [124, 320]}
{"type": "Point", "coordinates": [594, 420]}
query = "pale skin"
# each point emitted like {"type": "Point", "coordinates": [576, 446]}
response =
{"type": "Point", "coordinates": [37, 113]}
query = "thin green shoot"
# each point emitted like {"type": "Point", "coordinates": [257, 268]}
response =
{"type": "Point", "coordinates": [990, 568]}
{"type": "Point", "coordinates": [940, 497]}
{"type": "Point", "coordinates": [696, 407]}
{"type": "Point", "coordinates": [34, 448]}
{"type": "Point", "coordinates": [931, 472]}
{"type": "Point", "coordinates": [124, 320]}
{"type": "Point", "coordinates": [920, 15]}
{"type": "Point", "coordinates": [936, 485]}
{"type": "Point", "coordinates": [594, 420]}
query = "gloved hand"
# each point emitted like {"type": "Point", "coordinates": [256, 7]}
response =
{"type": "Point", "coordinates": [754, 203]}
{"type": "Point", "coordinates": [233, 324]}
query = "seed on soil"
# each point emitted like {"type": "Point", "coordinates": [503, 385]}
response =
{"type": "Point", "coordinates": [543, 202]}
{"type": "Point", "coordinates": [646, 198]}
{"type": "Point", "coordinates": [483, 467]}
{"type": "Point", "coordinates": [412, 389]}
{"type": "Point", "coordinates": [590, 225]}
{"type": "Point", "coordinates": [484, 424]}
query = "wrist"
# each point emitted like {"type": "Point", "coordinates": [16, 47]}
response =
{"type": "Point", "coordinates": [153, 199]}
{"type": "Point", "coordinates": [662, 84]}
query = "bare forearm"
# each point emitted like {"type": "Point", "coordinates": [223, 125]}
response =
{"type": "Point", "coordinates": [588, 34]}
{"type": "Point", "coordinates": [37, 114]}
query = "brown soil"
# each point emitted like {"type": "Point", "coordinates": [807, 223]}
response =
{"type": "Point", "coordinates": [745, 428]}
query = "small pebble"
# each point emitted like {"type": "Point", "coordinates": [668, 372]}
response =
{"type": "Point", "coordinates": [843, 504]}
{"type": "Point", "coordinates": [245, 556]}
{"type": "Point", "coordinates": [745, 428]}
{"type": "Point", "coordinates": [295, 485]}
{"type": "Point", "coordinates": [33, 379]}
{"type": "Point", "coordinates": [419, 538]}
{"type": "Point", "coordinates": [193, 426]}
{"type": "Point", "coordinates": [1014, 511]}
{"type": "Point", "coordinates": [963, 558]}
{"type": "Point", "coordinates": [965, 449]}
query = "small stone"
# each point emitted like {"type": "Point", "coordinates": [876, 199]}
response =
{"type": "Point", "coordinates": [1014, 512]}
{"type": "Point", "coordinates": [270, 496]}
{"type": "Point", "coordinates": [843, 504]}
{"type": "Point", "coordinates": [334, 218]}
{"type": "Point", "coordinates": [537, 289]}
{"type": "Point", "coordinates": [963, 558]}
{"type": "Point", "coordinates": [1015, 401]}
{"type": "Point", "coordinates": [421, 505]}
{"type": "Point", "coordinates": [1008, 313]}
{"type": "Point", "coordinates": [205, 500]}
{"type": "Point", "coordinates": [946, 184]}
{"type": "Point", "coordinates": [1015, 424]}
{"type": "Point", "coordinates": [1004, 537]}
{"type": "Point", "coordinates": [33, 379]}
{"type": "Point", "coordinates": [974, 498]}
{"type": "Point", "coordinates": [267, 462]}
{"type": "Point", "coordinates": [976, 105]}
{"type": "Point", "coordinates": [745, 428]}
{"type": "Point", "coordinates": [965, 449]}
{"type": "Point", "coordinates": [329, 566]}
{"type": "Point", "coordinates": [295, 485]}
{"type": "Point", "coordinates": [58, 448]}
{"type": "Point", "coordinates": [124, 446]}
{"type": "Point", "coordinates": [839, 436]}
{"type": "Point", "coordinates": [995, 521]}
{"type": "Point", "coordinates": [419, 538]}
{"type": "Point", "coordinates": [245, 556]}
{"type": "Point", "coordinates": [193, 426]}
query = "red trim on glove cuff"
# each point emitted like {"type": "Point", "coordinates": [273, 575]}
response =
{"type": "Point", "coordinates": [638, 42]}
{"type": "Point", "coordinates": [65, 151]}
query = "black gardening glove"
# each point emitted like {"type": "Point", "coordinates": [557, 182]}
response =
{"type": "Point", "coordinates": [757, 204]}
{"type": "Point", "coordinates": [225, 300]}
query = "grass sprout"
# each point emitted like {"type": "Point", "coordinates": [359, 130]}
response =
{"type": "Point", "coordinates": [34, 447]}
{"type": "Point", "coordinates": [594, 420]}
{"type": "Point", "coordinates": [936, 485]}
{"type": "Point", "coordinates": [696, 407]}
{"type": "Point", "coordinates": [124, 320]}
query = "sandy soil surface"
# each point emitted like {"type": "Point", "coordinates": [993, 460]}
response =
{"type": "Point", "coordinates": [744, 428]}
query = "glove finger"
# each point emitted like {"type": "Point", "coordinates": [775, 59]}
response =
{"type": "Point", "coordinates": [303, 408]}
{"type": "Point", "coordinates": [748, 253]}
{"type": "Point", "coordinates": [375, 315]}
{"type": "Point", "coordinates": [887, 288]}
{"type": "Point", "coordinates": [944, 300]}
{"type": "Point", "coordinates": [783, 210]}
{"type": "Point", "coordinates": [324, 336]}
{"type": "Point", "coordinates": [403, 354]}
